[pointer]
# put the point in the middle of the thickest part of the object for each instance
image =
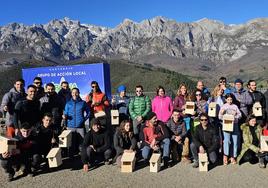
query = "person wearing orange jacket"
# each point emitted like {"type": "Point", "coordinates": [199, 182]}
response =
{"type": "Point", "coordinates": [97, 102]}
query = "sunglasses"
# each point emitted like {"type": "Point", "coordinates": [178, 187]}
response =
{"type": "Point", "coordinates": [222, 81]}
{"type": "Point", "coordinates": [203, 119]}
{"type": "Point", "coordinates": [37, 82]}
{"type": "Point", "coordinates": [94, 86]}
{"type": "Point", "coordinates": [197, 94]}
{"type": "Point", "coordinates": [138, 91]}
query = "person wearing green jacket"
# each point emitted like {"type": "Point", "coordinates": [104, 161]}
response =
{"type": "Point", "coordinates": [251, 151]}
{"type": "Point", "coordinates": [139, 107]}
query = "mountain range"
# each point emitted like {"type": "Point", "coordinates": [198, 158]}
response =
{"type": "Point", "coordinates": [205, 49]}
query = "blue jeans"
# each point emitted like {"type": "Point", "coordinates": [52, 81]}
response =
{"type": "Point", "coordinates": [164, 144]}
{"type": "Point", "coordinates": [227, 141]}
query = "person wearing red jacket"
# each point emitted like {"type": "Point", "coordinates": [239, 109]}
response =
{"type": "Point", "coordinates": [155, 135]}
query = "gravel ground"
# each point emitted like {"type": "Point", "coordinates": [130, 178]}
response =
{"type": "Point", "coordinates": [180, 175]}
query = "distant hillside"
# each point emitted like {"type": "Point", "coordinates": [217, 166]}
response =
{"type": "Point", "coordinates": [122, 72]}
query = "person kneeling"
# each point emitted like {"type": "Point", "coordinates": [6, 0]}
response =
{"type": "Point", "coordinates": [25, 157]}
{"type": "Point", "coordinates": [205, 140]}
{"type": "Point", "coordinates": [250, 149]}
{"type": "Point", "coordinates": [155, 135]}
{"type": "Point", "coordinates": [96, 145]}
{"type": "Point", "coordinates": [124, 140]}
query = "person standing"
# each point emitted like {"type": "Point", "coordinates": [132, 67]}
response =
{"type": "Point", "coordinates": [121, 103]}
{"type": "Point", "coordinates": [27, 110]}
{"type": "Point", "coordinates": [74, 114]}
{"type": "Point", "coordinates": [9, 101]}
{"type": "Point", "coordinates": [65, 92]}
{"type": "Point", "coordinates": [40, 91]}
{"type": "Point", "coordinates": [52, 103]}
{"type": "Point", "coordinates": [242, 99]}
{"type": "Point", "coordinates": [258, 97]}
{"type": "Point", "coordinates": [162, 105]}
{"type": "Point", "coordinates": [232, 109]}
{"type": "Point", "coordinates": [139, 107]}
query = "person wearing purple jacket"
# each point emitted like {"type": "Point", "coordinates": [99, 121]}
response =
{"type": "Point", "coordinates": [162, 105]}
{"type": "Point", "coordinates": [232, 109]}
{"type": "Point", "coordinates": [242, 99]}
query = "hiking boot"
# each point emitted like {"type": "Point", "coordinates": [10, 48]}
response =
{"type": "Point", "coordinates": [196, 164]}
{"type": "Point", "coordinates": [166, 162]}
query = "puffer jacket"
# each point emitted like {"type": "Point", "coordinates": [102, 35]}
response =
{"type": "Point", "coordinates": [100, 99]}
{"type": "Point", "coordinates": [74, 110]}
{"type": "Point", "coordinates": [10, 99]}
{"type": "Point", "coordinates": [139, 106]}
{"type": "Point", "coordinates": [247, 138]}
{"type": "Point", "coordinates": [163, 108]}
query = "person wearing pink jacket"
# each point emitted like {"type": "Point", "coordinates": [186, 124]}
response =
{"type": "Point", "coordinates": [162, 105]}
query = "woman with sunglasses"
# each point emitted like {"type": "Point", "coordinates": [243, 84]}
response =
{"type": "Point", "coordinates": [200, 103]}
{"type": "Point", "coordinates": [232, 109]}
{"type": "Point", "coordinates": [162, 105]}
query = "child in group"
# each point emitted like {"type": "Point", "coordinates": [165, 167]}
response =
{"type": "Point", "coordinates": [25, 156]}
{"type": "Point", "coordinates": [232, 109]}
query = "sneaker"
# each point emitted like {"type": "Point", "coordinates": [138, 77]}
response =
{"type": "Point", "coordinates": [225, 160]}
{"type": "Point", "coordinates": [196, 164]}
{"type": "Point", "coordinates": [10, 177]}
{"type": "Point", "coordinates": [186, 160]}
{"type": "Point", "coordinates": [261, 163]}
{"type": "Point", "coordinates": [233, 161]}
{"type": "Point", "coordinates": [107, 162]}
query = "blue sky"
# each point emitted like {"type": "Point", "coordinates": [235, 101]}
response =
{"type": "Point", "coordinates": [111, 12]}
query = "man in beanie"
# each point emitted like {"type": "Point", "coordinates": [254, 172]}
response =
{"type": "Point", "coordinates": [242, 99]}
{"type": "Point", "coordinates": [121, 102]}
{"type": "Point", "coordinates": [155, 135]}
{"type": "Point", "coordinates": [96, 146]}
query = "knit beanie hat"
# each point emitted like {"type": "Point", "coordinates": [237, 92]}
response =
{"type": "Point", "coordinates": [150, 115]}
{"type": "Point", "coordinates": [238, 81]}
{"type": "Point", "coordinates": [121, 88]}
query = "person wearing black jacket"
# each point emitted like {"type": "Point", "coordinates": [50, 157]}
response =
{"type": "Point", "coordinates": [52, 103]}
{"type": "Point", "coordinates": [205, 140]}
{"type": "Point", "coordinates": [27, 110]}
{"type": "Point", "coordinates": [124, 140]}
{"type": "Point", "coordinates": [26, 155]}
{"type": "Point", "coordinates": [257, 96]}
{"type": "Point", "coordinates": [96, 145]}
{"type": "Point", "coordinates": [46, 134]}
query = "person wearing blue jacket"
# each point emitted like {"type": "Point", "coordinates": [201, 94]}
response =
{"type": "Point", "coordinates": [74, 115]}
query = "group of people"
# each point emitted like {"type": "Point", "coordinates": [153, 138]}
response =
{"type": "Point", "coordinates": [36, 117]}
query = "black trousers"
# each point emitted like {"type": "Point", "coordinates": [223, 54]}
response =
{"type": "Point", "coordinates": [91, 156]}
{"type": "Point", "coordinates": [27, 161]}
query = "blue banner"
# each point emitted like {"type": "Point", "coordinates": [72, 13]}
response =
{"type": "Point", "coordinates": [79, 76]}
